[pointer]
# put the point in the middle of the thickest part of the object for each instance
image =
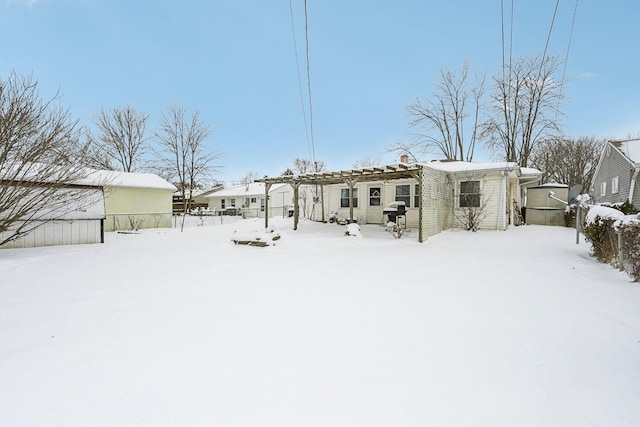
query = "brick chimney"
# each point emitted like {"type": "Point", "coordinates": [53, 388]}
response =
{"type": "Point", "coordinates": [404, 159]}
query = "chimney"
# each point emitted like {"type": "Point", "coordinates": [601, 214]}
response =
{"type": "Point", "coordinates": [404, 159]}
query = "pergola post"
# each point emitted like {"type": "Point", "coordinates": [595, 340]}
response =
{"type": "Point", "coordinates": [267, 186]}
{"type": "Point", "coordinates": [350, 182]}
{"type": "Point", "coordinates": [296, 186]}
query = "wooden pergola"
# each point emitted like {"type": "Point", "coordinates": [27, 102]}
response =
{"type": "Point", "coordinates": [350, 177]}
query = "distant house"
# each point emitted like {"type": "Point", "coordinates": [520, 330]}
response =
{"type": "Point", "coordinates": [436, 195]}
{"type": "Point", "coordinates": [615, 178]}
{"type": "Point", "coordinates": [135, 200]}
{"type": "Point", "coordinates": [249, 199]}
{"type": "Point", "coordinates": [198, 200]}
{"type": "Point", "coordinates": [79, 221]}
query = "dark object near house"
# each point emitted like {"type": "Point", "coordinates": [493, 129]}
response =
{"type": "Point", "coordinates": [231, 211]}
{"type": "Point", "coordinates": [394, 210]}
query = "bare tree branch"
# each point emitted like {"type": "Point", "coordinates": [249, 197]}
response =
{"type": "Point", "coordinates": [121, 142]}
{"type": "Point", "coordinates": [183, 157]}
{"type": "Point", "coordinates": [40, 156]}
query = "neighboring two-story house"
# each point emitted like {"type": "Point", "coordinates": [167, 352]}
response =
{"type": "Point", "coordinates": [615, 178]}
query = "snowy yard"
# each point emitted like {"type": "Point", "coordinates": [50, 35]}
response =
{"type": "Point", "coordinates": [162, 328]}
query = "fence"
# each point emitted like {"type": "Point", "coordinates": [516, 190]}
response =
{"type": "Point", "coordinates": [137, 221]}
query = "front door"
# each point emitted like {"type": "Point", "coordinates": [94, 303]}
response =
{"type": "Point", "coordinates": [374, 205]}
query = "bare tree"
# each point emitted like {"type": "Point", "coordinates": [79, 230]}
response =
{"type": "Point", "coordinates": [40, 156]}
{"type": "Point", "coordinates": [365, 162]}
{"type": "Point", "coordinates": [121, 141]}
{"type": "Point", "coordinates": [302, 166]}
{"type": "Point", "coordinates": [443, 119]}
{"type": "Point", "coordinates": [183, 156]}
{"type": "Point", "coordinates": [568, 161]}
{"type": "Point", "coordinates": [524, 108]}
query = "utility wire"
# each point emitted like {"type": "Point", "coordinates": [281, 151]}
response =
{"type": "Point", "coordinates": [566, 58]}
{"type": "Point", "coordinates": [546, 46]}
{"type": "Point", "coordinates": [304, 110]}
{"type": "Point", "coordinates": [306, 35]}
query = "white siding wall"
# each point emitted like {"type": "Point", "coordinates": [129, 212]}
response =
{"type": "Point", "coordinates": [69, 232]}
{"type": "Point", "coordinates": [493, 197]}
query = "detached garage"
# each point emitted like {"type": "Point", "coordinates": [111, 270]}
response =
{"type": "Point", "coordinates": [80, 222]}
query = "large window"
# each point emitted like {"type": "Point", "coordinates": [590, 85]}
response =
{"type": "Point", "coordinates": [614, 185]}
{"type": "Point", "coordinates": [375, 196]}
{"type": "Point", "coordinates": [470, 194]}
{"type": "Point", "coordinates": [403, 194]}
{"type": "Point", "coordinates": [344, 198]}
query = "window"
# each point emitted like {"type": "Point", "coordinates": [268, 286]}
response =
{"type": "Point", "coordinates": [374, 196]}
{"type": "Point", "coordinates": [344, 198]}
{"type": "Point", "coordinates": [222, 204]}
{"type": "Point", "coordinates": [403, 194]}
{"type": "Point", "coordinates": [416, 196]}
{"type": "Point", "coordinates": [614, 185]}
{"type": "Point", "coordinates": [262, 204]}
{"type": "Point", "coordinates": [232, 202]}
{"type": "Point", "coordinates": [603, 189]}
{"type": "Point", "coordinates": [253, 199]}
{"type": "Point", "coordinates": [470, 194]}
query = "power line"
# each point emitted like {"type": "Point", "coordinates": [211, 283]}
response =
{"type": "Point", "coordinates": [546, 46]}
{"type": "Point", "coordinates": [306, 36]}
{"type": "Point", "coordinates": [566, 58]}
{"type": "Point", "coordinates": [295, 48]}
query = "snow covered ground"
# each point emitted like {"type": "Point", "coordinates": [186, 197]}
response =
{"type": "Point", "coordinates": [162, 328]}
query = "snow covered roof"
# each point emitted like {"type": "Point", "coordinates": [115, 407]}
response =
{"type": "Point", "coordinates": [630, 148]}
{"type": "Point", "coordinates": [458, 166]}
{"type": "Point", "coordinates": [127, 180]}
{"type": "Point", "coordinates": [245, 190]}
{"type": "Point", "coordinates": [530, 171]}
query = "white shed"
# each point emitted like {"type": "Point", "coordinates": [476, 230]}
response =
{"type": "Point", "coordinates": [80, 222]}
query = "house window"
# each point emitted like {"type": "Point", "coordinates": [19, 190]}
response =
{"type": "Point", "coordinates": [232, 202]}
{"type": "Point", "coordinates": [416, 196]}
{"type": "Point", "coordinates": [222, 204]}
{"type": "Point", "coordinates": [253, 199]}
{"type": "Point", "coordinates": [262, 204]}
{"type": "Point", "coordinates": [470, 194]}
{"type": "Point", "coordinates": [375, 196]}
{"type": "Point", "coordinates": [344, 198]}
{"type": "Point", "coordinates": [603, 189]}
{"type": "Point", "coordinates": [403, 194]}
{"type": "Point", "coordinates": [614, 185]}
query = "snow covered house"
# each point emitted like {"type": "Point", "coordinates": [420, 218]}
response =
{"type": "Point", "coordinates": [135, 200]}
{"type": "Point", "coordinates": [437, 195]}
{"type": "Point", "coordinates": [251, 200]}
{"type": "Point", "coordinates": [79, 221]}
{"type": "Point", "coordinates": [616, 175]}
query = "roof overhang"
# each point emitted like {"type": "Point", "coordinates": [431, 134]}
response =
{"type": "Point", "coordinates": [367, 174]}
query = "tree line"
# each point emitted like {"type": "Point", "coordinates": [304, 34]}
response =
{"type": "Point", "coordinates": [518, 117]}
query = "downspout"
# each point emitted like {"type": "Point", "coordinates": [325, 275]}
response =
{"type": "Point", "coordinates": [503, 195]}
{"type": "Point", "coordinates": [632, 187]}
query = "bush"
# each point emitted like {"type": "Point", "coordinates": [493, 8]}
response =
{"type": "Point", "coordinates": [631, 248]}
{"type": "Point", "coordinates": [603, 239]}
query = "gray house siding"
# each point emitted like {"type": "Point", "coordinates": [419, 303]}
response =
{"type": "Point", "coordinates": [612, 164]}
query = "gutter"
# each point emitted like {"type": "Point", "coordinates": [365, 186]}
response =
{"type": "Point", "coordinates": [632, 187]}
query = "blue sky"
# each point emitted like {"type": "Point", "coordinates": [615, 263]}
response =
{"type": "Point", "coordinates": [234, 61]}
